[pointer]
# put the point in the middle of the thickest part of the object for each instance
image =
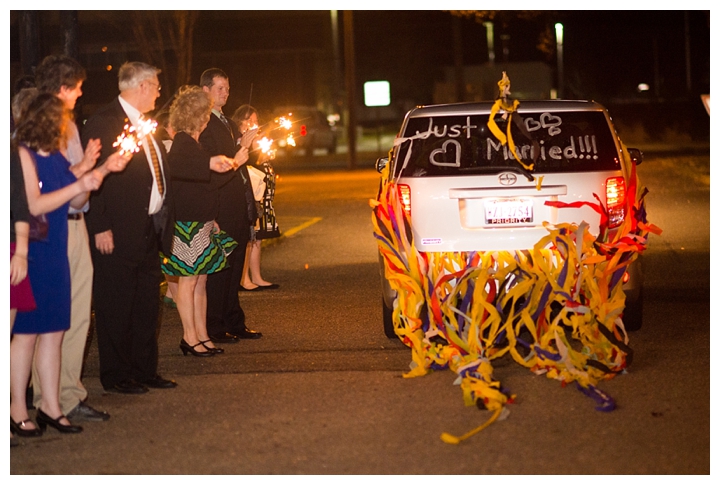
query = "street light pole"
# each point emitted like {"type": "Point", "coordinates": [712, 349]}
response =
{"type": "Point", "coordinates": [350, 86]}
{"type": "Point", "coordinates": [336, 89]}
{"type": "Point", "coordinates": [560, 67]}
{"type": "Point", "coordinates": [490, 35]}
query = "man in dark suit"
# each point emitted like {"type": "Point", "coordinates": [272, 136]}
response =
{"type": "Point", "coordinates": [128, 223]}
{"type": "Point", "coordinates": [225, 316]}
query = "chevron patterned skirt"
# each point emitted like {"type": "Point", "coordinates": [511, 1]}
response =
{"type": "Point", "coordinates": [197, 250]}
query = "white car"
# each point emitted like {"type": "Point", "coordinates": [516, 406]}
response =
{"type": "Point", "coordinates": [466, 192]}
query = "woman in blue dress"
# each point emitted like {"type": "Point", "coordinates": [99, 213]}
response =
{"type": "Point", "coordinates": [50, 187]}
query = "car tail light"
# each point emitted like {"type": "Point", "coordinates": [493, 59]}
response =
{"type": "Point", "coordinates": [615, 196]}
{"type": "Point", "coordinates": [405, 198]}
{"type": "Point", "coordinates": [303, 130]}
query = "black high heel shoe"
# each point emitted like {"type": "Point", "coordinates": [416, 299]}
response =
{"type": "Point", "coordinates": [187, 348]}
{"type": "Point", "coordinates": [43, 420]}
{"type": "Point", "coordinates": [214, 350]}
{"type": "Point", "coordinates": [20, 430]}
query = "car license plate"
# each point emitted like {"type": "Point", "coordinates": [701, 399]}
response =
{"type": "Point", "coordinates": [508, 211]}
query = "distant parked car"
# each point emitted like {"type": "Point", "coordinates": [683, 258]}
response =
{"type": "Point", "coordinates": [310, 130]}
{"type": "Point", "coordinates": [465, 193]}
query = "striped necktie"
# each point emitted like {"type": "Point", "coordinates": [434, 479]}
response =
{"type": "Point", "coordinates": [225, 121]}
{"type": "Point", "coordinates": [156, 165]}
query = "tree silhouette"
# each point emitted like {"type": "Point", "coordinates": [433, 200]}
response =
{"type": "Point", "coordinates": [503, 18]}
{"type": "Point", "coordinates": [159, 33]}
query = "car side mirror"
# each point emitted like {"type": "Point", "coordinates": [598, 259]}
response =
{"type": "Point", "coordinates": [636, 155]}
{"type": "Point", "coordinates": [380, 164]}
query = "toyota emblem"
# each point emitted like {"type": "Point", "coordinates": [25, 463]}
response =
{"type": "Point", "coordinates": [507, 178]}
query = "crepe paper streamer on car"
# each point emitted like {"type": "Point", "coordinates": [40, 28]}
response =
{"type": "Point", "coordinates": [556, 309]}
{"type": "Point", "coordinates": [510, 111]}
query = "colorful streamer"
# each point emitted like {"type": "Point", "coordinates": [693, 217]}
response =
{"type": "Point", "coordinates": [556, 308]}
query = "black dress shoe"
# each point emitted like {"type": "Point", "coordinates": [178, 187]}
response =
{"type": "Point", "coordinates": [190, 349]}
{"type": "Point", "coordinates": [158, 382]}
{"type": "Point", "coordinates": [246, 333]}
{"type": "Point", "coordinates": [224, 338]}
{"type": "Point", "coordinates": [83, 412]}
{"type": "Point", "coordinates": [128, 386]}
{"type": "Point", "coordinates": [21, 429]}
{"type": "Point", "coordinates": [44, 421]}
{"type": "Point", "coordinates": [214, 350]}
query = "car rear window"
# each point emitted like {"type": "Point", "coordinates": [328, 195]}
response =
{"type": "Point", "coordinates": [462, 145]}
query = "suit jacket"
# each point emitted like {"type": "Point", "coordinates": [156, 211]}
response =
{"type": "Point", "coordinates": [121, 203]}
{"type": "Point", "coordinates": [236, 211]}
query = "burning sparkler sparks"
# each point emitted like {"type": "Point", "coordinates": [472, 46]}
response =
{"type": "Point", "coordinates": [130, 140]}
{"type": "Point", "coordinates": [265, 144]}
{"type": "Point", "coordinates": [284, 122]}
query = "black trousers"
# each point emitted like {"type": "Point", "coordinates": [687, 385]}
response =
{"type": "Point", "coordinates": [224, 313]}
{"type": "Point", "coordinates": [126, 299]}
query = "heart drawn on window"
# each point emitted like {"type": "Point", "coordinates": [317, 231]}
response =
{"type": "Point", "coordinates": [551, 122]}
{"type": "Point", "coordinates": [531, 124]}
{"type": "Point", "coordinates": [547, 120]}
{"type": "Point", "coordinates": [443, 151]}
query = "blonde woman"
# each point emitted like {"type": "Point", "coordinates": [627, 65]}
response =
{"type": "Point", "coordinates": [199, 246]}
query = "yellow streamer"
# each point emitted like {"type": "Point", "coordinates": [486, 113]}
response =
{"type": "Point", "coordinates": [556, 309]}
{"type": "Point", "coordinates": [454, 440]}
{"type": "Point", "coordinates": [509, 108]}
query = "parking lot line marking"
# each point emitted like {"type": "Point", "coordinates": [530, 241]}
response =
{"type": "Point", "coordinates": [294, 230]}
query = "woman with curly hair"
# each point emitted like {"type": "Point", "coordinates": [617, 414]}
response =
{"type": "Point", "coordinates": [50, 187]}
{"type": "Point", "coordinates": [199, 246]}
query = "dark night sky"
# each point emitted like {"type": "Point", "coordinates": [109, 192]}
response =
{"type": "Point", "coordinates": [607, 53]}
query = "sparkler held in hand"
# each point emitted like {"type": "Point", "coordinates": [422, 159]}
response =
{"type": "Point", "coordinates": [265, 146]}
{"type": "Point", "coordinates": [247, 138]}
{"type": "Point", "coordinates": [131, 139]}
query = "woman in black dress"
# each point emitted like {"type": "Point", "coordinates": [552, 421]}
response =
{"type": "Point", "coordinates": [262, 177]}
{"type": "Point", "coordinates": [199, 247]}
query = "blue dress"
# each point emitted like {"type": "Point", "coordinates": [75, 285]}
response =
{"type": "Point", "coordinates": [48, 267]}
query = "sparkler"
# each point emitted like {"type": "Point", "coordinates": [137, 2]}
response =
{"type": "Point", "coordinates": [290, 140]}
{"type": "Point", "coordinates": [284, 122]}
{"type": "Point", "coordinates": [265, 145]}
{"type": "Point", "coordinates": [130, 140]}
